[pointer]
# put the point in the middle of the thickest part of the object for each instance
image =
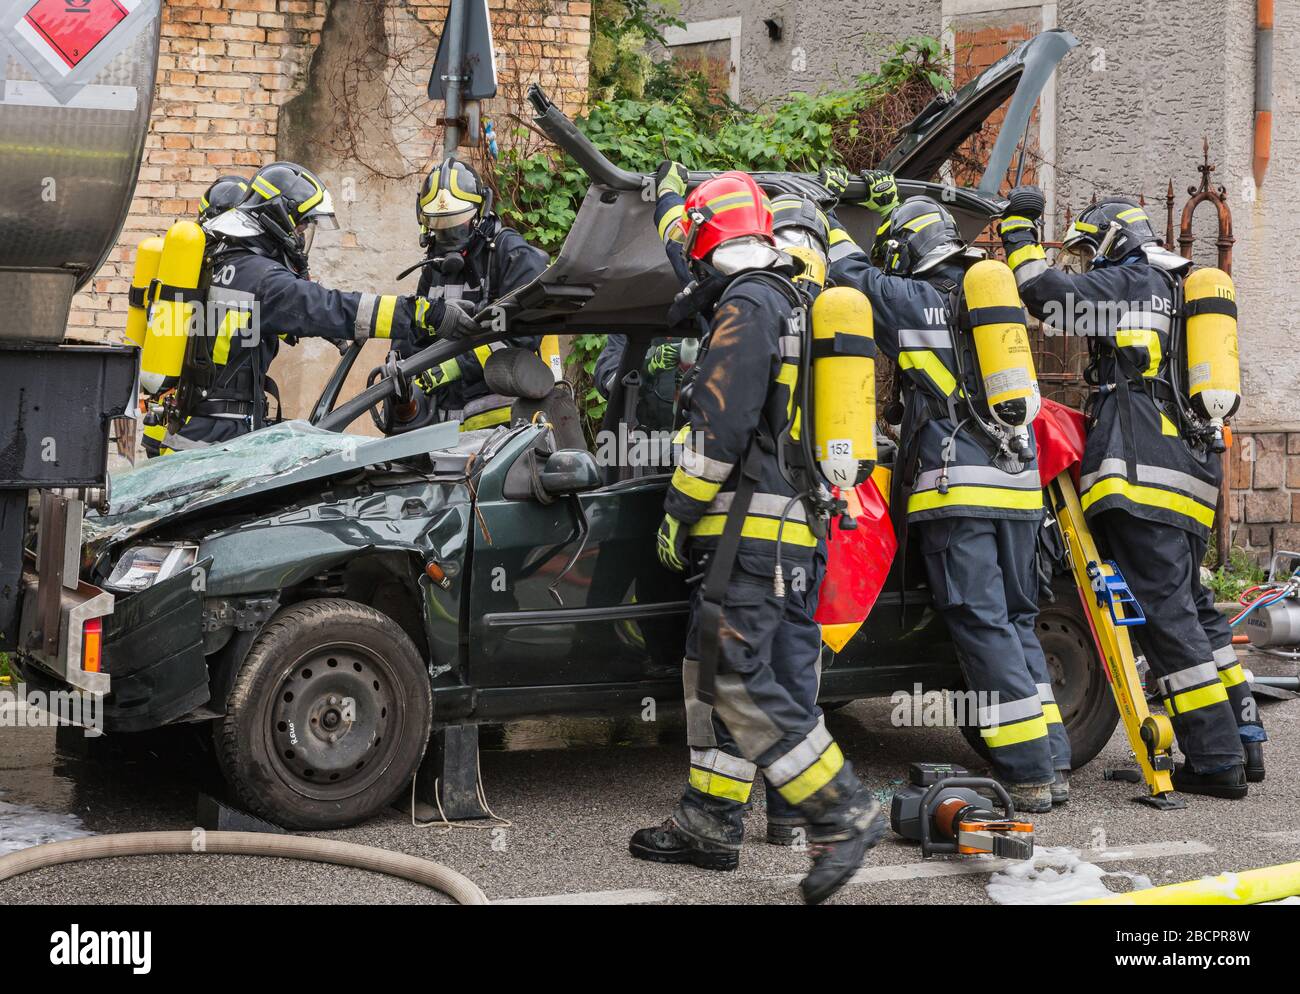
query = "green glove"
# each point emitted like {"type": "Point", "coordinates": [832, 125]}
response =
{"type": "Point", "coordinates": [662, 358]}
{"type": "Point", "coordinates": [670, 177]}
{"type": "Point", "coordinates": [882, 192]}
{"type": "Point", "coordinates": [835, 179]}
{"type": "Point", "coordinates": [671, 544]}
{"type": "Point", "coordinates": [431, 379]}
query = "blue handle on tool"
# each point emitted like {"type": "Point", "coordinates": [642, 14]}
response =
{"type": "Point", "coordinates": [1117, 592]}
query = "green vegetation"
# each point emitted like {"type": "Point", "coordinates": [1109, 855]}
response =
{"type": "Point", "coordinates": [1239, 572]}
{"type": "Point", "coordinates": [647, 112]}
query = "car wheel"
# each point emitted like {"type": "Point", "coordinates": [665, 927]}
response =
{"type": "Point", "coordinates": [1078, 678]}
{"type": "Point", "coordinates": [329, 716]}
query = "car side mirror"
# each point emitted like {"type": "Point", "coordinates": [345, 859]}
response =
{"type": "Point", "coordinates": [570, 471]}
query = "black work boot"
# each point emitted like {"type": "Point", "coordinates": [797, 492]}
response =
{"type": "Point", "coordinates": [1254, 761]}
{"type": "Point", "coordinates": [667, 843]}
{"type": "Point", "coordinates": [846, 822]}
{"type": "Point", "coordinates": [1060, 788]}
{"type": "Point", "coordinates": [783, 831]}
{"type": "Point", "coordinates": [693, 834]}
{"type": "Point", "coordinates": [1229, 784]}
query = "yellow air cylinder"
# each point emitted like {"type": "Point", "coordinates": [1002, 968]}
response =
{"type": "Point", "coordinates": [1213, 370]}
{"type": "Point", "coordinates": [147, 254]}
{"type": "Point", "coordinates": [170, 318]}
{"type": "Point", "coordinates": [1002, 349]}
{"type": "Point", "coordinates": [550, 353]}
{"type": "Point", "coordinates": [844, 385]}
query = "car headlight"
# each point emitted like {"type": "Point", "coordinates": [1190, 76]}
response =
{"type": "Point", "coordinates": [142, 566]}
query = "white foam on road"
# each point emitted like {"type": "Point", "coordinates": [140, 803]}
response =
{"type": "Point", "coordinates": [964, 865]}
{"type": "Point", "coordinates": [22, 826]}
{"type": "Point", "coordinates": [1056, 875]}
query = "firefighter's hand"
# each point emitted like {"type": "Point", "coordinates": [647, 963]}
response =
{"type": "Point", "coordinates": [662, 358]}
{"type": "Point", "coordinates": [671, 544]}
{"type": "Point", "coordinates": [431, 379]}
{"type": "Point", "coordinates": [670, 177]}
{"type": "Point", "coordinates": [882, 192]}
{"type": "Point", "coordinates": [1027, 202]}
{"type": "Point", "coordinates": [454, 321]}
{"type": "Point", "coordinates": [835, 179]}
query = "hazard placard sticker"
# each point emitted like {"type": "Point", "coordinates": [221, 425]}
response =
{"type": "Point", "coordinates": [72, 28]}
{"type": "Point", "coordinates": [67, 44]}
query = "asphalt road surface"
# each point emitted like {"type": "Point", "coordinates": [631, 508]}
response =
{"type": "Point", "coordinates": [573, 791]}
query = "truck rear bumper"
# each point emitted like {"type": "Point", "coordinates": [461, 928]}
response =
{"type": "Point", "coordinates": [62, 656]}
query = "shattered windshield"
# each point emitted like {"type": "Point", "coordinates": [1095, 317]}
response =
{"type": "Point", "coordinates": [161, 487]}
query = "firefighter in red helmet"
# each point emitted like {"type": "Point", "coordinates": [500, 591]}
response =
{"type": "Point", "coordinates": [728, 505]}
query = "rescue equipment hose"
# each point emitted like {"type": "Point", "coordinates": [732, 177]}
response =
{"type": "Point", "coordinates": [1269, 883]}
{"type": "Point", "coordinates": [421, 871]}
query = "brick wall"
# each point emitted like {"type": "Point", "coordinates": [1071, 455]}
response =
{"type": "Point", "coordinates": [227, 69]}
{"type": "Point", "coordinates": [1265, 479]}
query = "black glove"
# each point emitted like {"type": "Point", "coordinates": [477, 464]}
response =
{"type": "Point", "coordinates": [1027, 202]}
{"type": "Point", "coordinates": [454, 321]}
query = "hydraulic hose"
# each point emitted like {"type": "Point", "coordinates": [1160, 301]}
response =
{"type": "Point", "coordinates": [421, 871]}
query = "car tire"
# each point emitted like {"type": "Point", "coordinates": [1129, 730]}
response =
{"type": "Point", "coordinates": [329, 716]}
{"type": "Point", "coordinates": [1078, 677]}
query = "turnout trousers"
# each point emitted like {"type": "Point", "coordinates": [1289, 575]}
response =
{"type": "Point", "coordinates": [765, 716]}
{"type": "Point", "coordinates": [984, 581]}
{"type": "Point", "coordinates": [1162, 566]}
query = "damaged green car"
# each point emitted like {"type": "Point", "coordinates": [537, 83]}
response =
{"type": "Point", "coordinates": [327, 601]}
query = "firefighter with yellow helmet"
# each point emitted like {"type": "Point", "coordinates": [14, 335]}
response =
{"type": "Point", "coordinates": [736, 518]}
{"type": "Point", "coordinates": [966, 476]}
{"type": "Point", "coordinates": [474, 259]}
{"type": "Point", "coordinates": [223, 194]}
{"type": "Point", "coordinates": [228, 293]}
{"type": "Point", "coordinates": [1164, 375]}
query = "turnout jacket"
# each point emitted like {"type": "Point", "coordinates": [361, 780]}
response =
{"type": "Point", "coordinates": [1135, 459]}
{"type": "Point", "coordinates": [255, 301]}
{"type": "Point", "coordinates": [498, 261]}
{"type": "Point", "coordinates": [743, 392]}
{"type": "Point", "coordinates": [914, 326]}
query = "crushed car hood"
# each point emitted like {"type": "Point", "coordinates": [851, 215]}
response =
{"type": "Point", "coordinates": [279, 456]}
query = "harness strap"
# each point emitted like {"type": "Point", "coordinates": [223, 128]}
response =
{"type": "Point", "coordinates": [717, 577]}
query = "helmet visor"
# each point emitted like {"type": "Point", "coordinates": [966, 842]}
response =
{"type": "Point", "coordinates": [307, 234]}
{"type": "Point", "coordinates": [322, 212]}
{"type": "Point", "coordinates": [739, 254]}
{"type": "Point", "coordinates": [235, 223]}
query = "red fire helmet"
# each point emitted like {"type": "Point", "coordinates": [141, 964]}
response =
{"type": "Point", "coordinates": [725, 207]}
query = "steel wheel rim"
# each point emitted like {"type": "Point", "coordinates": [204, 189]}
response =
{"type": "Point", "coordinates": [334, 720]}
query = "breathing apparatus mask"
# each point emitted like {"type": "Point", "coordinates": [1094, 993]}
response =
{"type": "Point", "coordinates": [804, 248]}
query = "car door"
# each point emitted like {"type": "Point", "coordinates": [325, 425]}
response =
{"type": "Point", "coordinates": [550, 609]}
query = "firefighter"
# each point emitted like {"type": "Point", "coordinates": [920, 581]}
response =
{"type": "Point", "coordinates": [224, 193]}
{"type": "Point", "coordinates": [1149, 486]}
{"type": "Point", "coordinates": [801, 230]}
{"type": "Point", "coordinates": [471, 257]}
{"type": "Point", "coordinates": [259, 295]}
{"type": "Point", "coordinates": [730, 470]}
{"type": "Point", "coordinates": [974, 503]}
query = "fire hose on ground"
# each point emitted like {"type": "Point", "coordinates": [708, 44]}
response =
{"type": "Point", "coordinates": [421, 871]}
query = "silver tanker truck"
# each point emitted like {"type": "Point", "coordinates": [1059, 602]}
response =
{"type": "Point", "coordinates": [76, 84]}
